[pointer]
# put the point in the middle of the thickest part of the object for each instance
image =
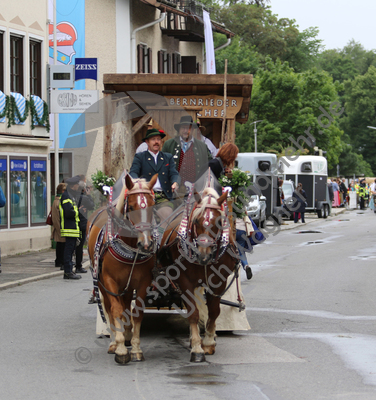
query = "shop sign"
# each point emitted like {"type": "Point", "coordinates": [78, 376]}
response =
{"type": "Point", "coordinates": [38, 165]}
{"type": "Point", "coordinates": [74, 101]}
{"type": "Point", "coordinates": [18, 165]}
{"type": "Point", "coordinates": [86, 68]}
{"type": "Point", "coordinates": [3, 164]}
{"type": "Point", "coordinates": [212, 106]}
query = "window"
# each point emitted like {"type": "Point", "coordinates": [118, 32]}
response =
{"type": "Point", "coordinates": [2, 61]}
{"type": "Point", "coordinates": [18, 192]}
{"type": "Point", "coordinates": [35, 68]}
{"type": "Point", "coordinates": [144, 57]}
{"type": "Point", "coordinates": [16, 64]}
{"type": "Point", "coordinates": [3, 185]}
{"type": "Point", "coordinates": [38, 204]}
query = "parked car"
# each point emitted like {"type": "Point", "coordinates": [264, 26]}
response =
{"type": "Point", "coordinates": [256, 209]}
{"type": "Point", "coordinates": [288, 202]}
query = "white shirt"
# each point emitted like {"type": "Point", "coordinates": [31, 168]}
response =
{"type": "Point", "coordinates": [142, 147]}
{"type": "Point", "coordinates": [157, 186]}
{"type": "Point", "coordinates": [373, 187]}
{"type": "Point", "coordinates": [213, 150]}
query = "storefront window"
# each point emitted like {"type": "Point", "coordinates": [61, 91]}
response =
{"type": "Point", "coordinates": [38, 173]}
{"type": "Point", "coordinates": [18, 192]}
{"type": "Point", "coordinates": [3, 185]}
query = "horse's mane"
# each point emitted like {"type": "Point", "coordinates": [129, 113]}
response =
{"type": "Point", "coordinates": [120, 199]}
{"type": "Point", "coordinates": [197, 213]}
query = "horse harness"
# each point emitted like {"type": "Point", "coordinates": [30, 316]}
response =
{"type": "Point", "coordinates": [108, 240]}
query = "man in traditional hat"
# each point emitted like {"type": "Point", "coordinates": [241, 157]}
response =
{"type": "Point", "coordinates": [70, 225]}
{"type": "Point", "coordinates": [153, 161]}
{"type": "Point", "coordinates": [190, 155]}
{"type": "Point", "coordinates": [201, 135]}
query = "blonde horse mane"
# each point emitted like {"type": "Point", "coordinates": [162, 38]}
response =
{"type": "Point", "coordinates": [197, 213]}
{"type": "Point", "coordinates": [120, 199]}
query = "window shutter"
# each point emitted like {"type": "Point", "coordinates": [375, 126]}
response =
{"type": "Point", "coordinates": [140, 58]}
{"type": "Point", "coordinates": [169, 63]}
{"type": "Point", "coordinates": [150, 61]}
{"type": "Point", "coordinates": [160, 62]}
{"type": "Point", "coordinates": [174, 63]}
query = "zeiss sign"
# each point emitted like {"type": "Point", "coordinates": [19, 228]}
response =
{"type": "Point", "coordinates": [86, 68]}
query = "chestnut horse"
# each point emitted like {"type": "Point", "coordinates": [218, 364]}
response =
{"type": "Point", "coordinates": [123, 259]}
{"type": "Point", "coordinates": [200, 251]}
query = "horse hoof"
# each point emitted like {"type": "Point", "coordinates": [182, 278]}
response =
{"type": "Point", "coordinates": [111, 349]}
{"type": "Point", "coordinates": [123, 359]}
{"type": "Point", "coordinates": [210, 350]}
{"type": "Point", "coordinates": [137, 357]}
{"type": "Point", "coordinates": [127, 343]}
{"type": "Point", "coordinates": [197, 357]}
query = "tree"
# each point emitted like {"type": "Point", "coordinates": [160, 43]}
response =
{"type": "Point", "coordinates": [289, 105]}
{"type": "Point", "coordinates": [258, 28]}
{"type": "Point", "coordinates": [360, 96]}
{"type": "Point", "coordinates": [243, 59]}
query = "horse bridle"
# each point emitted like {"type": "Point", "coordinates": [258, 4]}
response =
{"type": "Point", "coordinates": [190, 246]}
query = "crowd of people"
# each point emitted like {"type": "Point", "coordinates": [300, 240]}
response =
{"type": "Point", "coordinates": [339, 193]}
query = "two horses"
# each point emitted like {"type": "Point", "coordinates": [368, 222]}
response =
{"type": "Point", "coordinates": [198, 250]}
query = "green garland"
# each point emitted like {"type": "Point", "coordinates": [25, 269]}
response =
{"type": "Point", "coordinates": [44, 121]}
{"type": "Point", "coordinates": [11, 111]}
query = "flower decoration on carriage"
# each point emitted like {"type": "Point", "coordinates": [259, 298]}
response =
{"type": "Point", "coordinates": [239, 181]}
{"type": "Point", "coordinates": [99, 180]}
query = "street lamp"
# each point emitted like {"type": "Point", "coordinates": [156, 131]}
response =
{"type": "Point", "coordinates": [255, 131]}
{"type": "Point", "coordinates": [372, 127]}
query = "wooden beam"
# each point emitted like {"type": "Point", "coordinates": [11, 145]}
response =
{"type": "Point", "coordinates": [146, 118]}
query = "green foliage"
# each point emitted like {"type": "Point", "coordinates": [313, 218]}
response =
{"type": "Point", "coordinates": [243, 59]}
{"type": "Point", "coordinates": [288, 103]}
{"type": "Point", "coordinates": [99, 179]}
{"type": "Point", "coordinates": [238, 181]}
{"type": "Point", "coordinates": [261, 30]}
{"type": "Point", "coordinates": [360, 97]}
{"type": "Point", "coordinates": [11, 111]}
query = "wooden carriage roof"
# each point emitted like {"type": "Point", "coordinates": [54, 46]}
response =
{"type": "Point", "coordinates": [184, 85]}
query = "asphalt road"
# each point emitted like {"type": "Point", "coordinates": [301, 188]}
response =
{"type": "Point", "coordinates": [311, 305]}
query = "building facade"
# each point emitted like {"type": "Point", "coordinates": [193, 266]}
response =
{"type": "Point", "coordinates": [24, 137]}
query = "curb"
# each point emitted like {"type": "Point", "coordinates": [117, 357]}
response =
{"type": "Point", "coordinates": [300, 225]}
{"type": "Point", "coordinates": [86, 264]}
{"type": "Point", "coordinates": [36, 278]}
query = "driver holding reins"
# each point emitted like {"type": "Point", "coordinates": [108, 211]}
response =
{"type": "Point", "coordinates": [152, 161]}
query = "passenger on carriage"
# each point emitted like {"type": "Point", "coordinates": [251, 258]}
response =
{"type": "Point", "coordinates": [190, 154]}
{"type": "Point", "coordinates": [221, 165]}
{"type": "Point", "coordinates": [70, 224]}
{"type": "Point", "coordinates": [148, 163]}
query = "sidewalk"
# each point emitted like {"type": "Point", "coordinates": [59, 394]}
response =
{"type": "Point", "coordinates": [34, 266]}
{"type": "Point", "coordinates": [30, 267]}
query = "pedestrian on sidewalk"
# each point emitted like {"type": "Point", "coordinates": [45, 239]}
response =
{"type": "Point", "coordinates": [2, 204]}
{"type": "Point", "coordinates": [55, 233]}
{"type": "Point", "coordinates": [85, 204]}
{"type": "Point", "coordinates": [70, 224]}
{"type": "Point", "coordinates": [300, 203]}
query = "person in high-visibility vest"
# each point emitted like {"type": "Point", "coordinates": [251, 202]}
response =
{"type": "Point", "coordinates": [70, 224]}
{"type": "Point", "coordinates": [362, 191]}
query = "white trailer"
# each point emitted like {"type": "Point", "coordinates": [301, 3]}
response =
{"type": "Point", "coordinates": [263, 167]}
{"type": "Point", "coordinates": [312, 173]}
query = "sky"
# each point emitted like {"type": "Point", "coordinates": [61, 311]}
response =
{"type": "Point", "coordinates": [338, 21]}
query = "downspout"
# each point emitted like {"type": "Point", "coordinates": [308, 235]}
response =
{"type": "Point", "coordinates": [223, 45]}
{"type": "Point", "coordinates": [220, 47]}
{"type": "Point", "coordinates": [133, 38]}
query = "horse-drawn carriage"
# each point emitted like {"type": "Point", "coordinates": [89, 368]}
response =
{"type": "Point", "coordinates": [131, 262]}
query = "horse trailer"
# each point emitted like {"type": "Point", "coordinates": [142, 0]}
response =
{"type": "Point", "coordinates": [312, 173]}
{"type": "Point", "coordinates": [263, 167]}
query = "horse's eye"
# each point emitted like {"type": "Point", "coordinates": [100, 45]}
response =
{"type": "Point", "coordinates": [131, 208]}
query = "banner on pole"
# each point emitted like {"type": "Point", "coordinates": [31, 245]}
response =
{"type": "Point", "coordinates": [209, 44]}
